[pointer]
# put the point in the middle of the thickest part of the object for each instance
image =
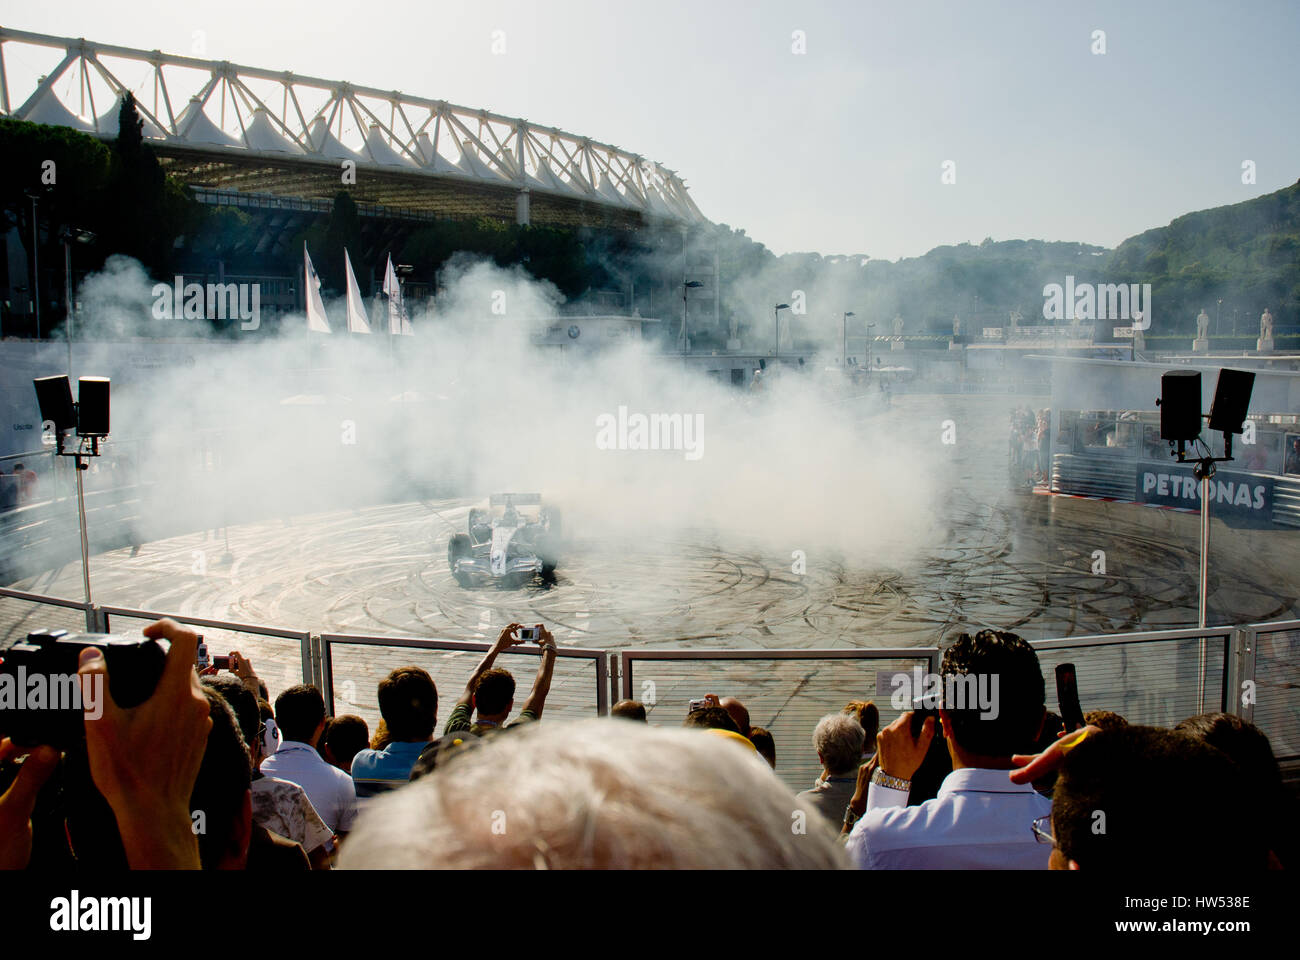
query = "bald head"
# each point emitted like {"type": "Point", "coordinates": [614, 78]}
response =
{"type": "Point", "coordinates": [738, 713]}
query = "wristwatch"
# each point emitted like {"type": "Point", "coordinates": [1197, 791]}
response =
{"type": "Point", "coordinates": [850, 818]}
{"type": "Point", "coordinates": [893, 783]}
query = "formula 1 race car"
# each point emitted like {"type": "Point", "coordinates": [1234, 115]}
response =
{"type": "Point", "coordinates": [511, 541]}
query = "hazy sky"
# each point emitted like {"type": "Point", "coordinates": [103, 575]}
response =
{"type": "Point", "coordinates": [839, 149]}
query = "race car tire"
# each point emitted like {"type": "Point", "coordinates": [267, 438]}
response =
{"type": "Point", "coordinates": [458, 546]}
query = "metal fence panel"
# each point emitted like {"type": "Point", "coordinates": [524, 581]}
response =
{"type": "Point", "coordinates": [785, 691]}
{"type": "Point", "coordinates": [21, 613]}
{"type": "Point", "coordinates": [277, 655]}
{"type": "Point", "coordinates": [1154, 680]}
{"type": "Point", "coordinates": [354, 665]}
{"type": "Point", "coordinates": [1277, 688]}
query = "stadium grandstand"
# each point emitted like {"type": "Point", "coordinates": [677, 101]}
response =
{"type": "Point", "coordinates": [264, 138]}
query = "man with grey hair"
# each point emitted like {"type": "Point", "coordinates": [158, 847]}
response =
{"type": "Point", "coordinates": [598, 794]}
{"type": "Point", "coordinates": [838, 741]}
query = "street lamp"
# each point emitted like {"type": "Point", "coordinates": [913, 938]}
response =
{"type": "Point", "coordinates": [36, 266]}
{"type": "Point", "coordinates": [67, 235]}
{"type": "Point", "coordinates": [844, 338]}
{"type": "Point", "coordinates": [687, 285]}
{"type": "Point", "coordinates": [776, 318]}
{"type": "Point", "coordinates": [871, 342]}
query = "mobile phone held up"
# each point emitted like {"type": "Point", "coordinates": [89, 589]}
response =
{"type": "Point", "coordinates": [1067, 696]}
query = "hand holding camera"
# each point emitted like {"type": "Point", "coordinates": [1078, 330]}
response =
{"type": "Point", "coordinates": [144, 759]}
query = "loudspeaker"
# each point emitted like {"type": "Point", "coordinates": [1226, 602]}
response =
{"type": "Point", "coordinates": [1231, 399]}
{"type": "Point", "coordinates": [92, 406]}
{"type": "Point", "coordinates": [54, 395]}
{"type": "Point", "coordinates": [1180, 405]}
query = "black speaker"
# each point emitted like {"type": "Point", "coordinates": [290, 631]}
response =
{"type": "Point", "coordinates": [1231, 398]}
{"type": "Point", "coordinates": [54, 395]}
{"type": "Point", "coordinates": [92, 406]}
{"type": "Point", "coordinates": [1180, 405]}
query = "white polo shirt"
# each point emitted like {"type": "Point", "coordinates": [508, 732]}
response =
{"type": "Point", "coordinates": [979, 821]}
{"type": "Point", "coordinates": [328, 788]}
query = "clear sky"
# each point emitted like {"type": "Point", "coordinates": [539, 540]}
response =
{"type": "Point", "coordinates": [839, 149]}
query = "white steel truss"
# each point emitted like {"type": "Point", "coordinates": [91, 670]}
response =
{"type": "Point", "coordinates": [216, 107]}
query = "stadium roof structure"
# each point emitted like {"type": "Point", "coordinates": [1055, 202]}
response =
{"type": "Point", "coordinates": [227, 127]}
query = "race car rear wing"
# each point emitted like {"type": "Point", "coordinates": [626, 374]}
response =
{"type": "Point", "coordinates": [518, 499]}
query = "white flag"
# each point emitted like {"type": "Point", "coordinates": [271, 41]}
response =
{"type": "Point", "coordinates": [356, 309]}
{"type": "Point", "coordinates": [398, 323]}
{"type": "Point", "coordinates": [315, 308]}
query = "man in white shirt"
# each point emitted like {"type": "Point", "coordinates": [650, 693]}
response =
{"type": "Point", "coordinates": [993, 708]}
{"type": "Point", "coordinates": [300, 716]}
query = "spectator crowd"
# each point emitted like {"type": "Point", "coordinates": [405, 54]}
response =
{"type": "Point", "coordinates": [208, 773]}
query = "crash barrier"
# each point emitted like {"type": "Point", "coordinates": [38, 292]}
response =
{"type": "Point", "coordinates": [349, 668]}
{"type": "Point", "coordinates": [1150, 677]}
{"type": "Point", "coordinates": [785, 691]}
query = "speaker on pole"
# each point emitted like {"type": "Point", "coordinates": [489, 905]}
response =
{"type": "Point", "coordinates": [1180, 405]}
{"type": "Point", "coordinates": [1231, 400]}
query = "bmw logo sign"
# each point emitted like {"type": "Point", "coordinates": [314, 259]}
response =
{"type": "Point", "coordinates": [574, 331]}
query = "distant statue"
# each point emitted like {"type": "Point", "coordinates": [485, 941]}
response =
{"type": "Point", "coordinates": [1202, 325]}
{"type": "Point", "coordinates": [1139, 339]}
{"type": "Point", "coordinates": [956, 326]}
{"type": "Point", "coordinates": [1015, 318]}
{"type": "Point", "coordinates": [1266, 325]}
{"type": "Point", "coordinates": [898, 326]}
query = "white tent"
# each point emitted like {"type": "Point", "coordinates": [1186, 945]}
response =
{"type": "Point", "coordinates": [48, 109]}
{"type": "Point", "coordinates": [262, 134]}
{"type": "Point", "coordinates": [195, 126]}
{"type": "Point", "coordinates": [381, 152]}
{"type": "Point", "coordinates": [326, 144]}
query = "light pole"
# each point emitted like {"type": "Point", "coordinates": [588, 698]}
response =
{"type": "Point", "coordinates": [687, 286]}
{"type": "Point", "coordinates": [36, 265]}
{"type": "Point", "coordinates": [776, 319]}
{"type": "Point", "coordinates": [1218, 330]}
{"type": "Point", "coordinates": [67, 235]}
{"type": "Point", "coordinates": [871, 343]}
{"type": "Point", "coordinates": [844, 338]}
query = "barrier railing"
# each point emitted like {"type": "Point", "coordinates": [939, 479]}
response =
{"type": "Point", "coordinates": [1151, 677]}
{"type": "Point", "coordinates": [787, 697]}
{"type": "Point", "coordinates": [352, 665]}
{"type": "Point", "coordinates": [1269, 684]}
{"type": "Point", "coordinates": [1154, 677]}
{"type": "Point", "coordinates": [21, 622]}
{"type": "Point", "coordinates": [228, 637]}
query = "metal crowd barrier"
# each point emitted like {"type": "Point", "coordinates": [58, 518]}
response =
{"type": "Point", "coordinates": [1153, 677]}
{"type": "Point", "coordinates": [447, 662]}
{"type": "Point", "coordinates": [302, 637]}
{"type": "Point", "coordinates": [787, 695]}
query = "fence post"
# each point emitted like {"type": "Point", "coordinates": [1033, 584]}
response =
{"type": "Point", "coordinates": [1241, 672]}
{"type": "Point", "coordinates": [306, 647]}
{"type": "Point", "coordinates": [615, 695]}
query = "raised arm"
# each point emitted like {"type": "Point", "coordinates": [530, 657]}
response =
{"type": "Point", "coordinates": [542, 685]}
{"type": "Point", "coordinates": [507, 639]}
